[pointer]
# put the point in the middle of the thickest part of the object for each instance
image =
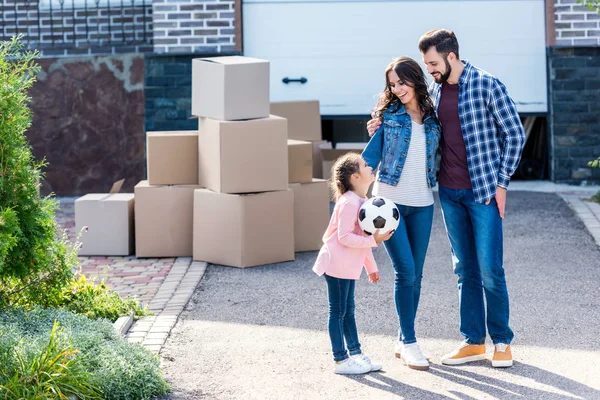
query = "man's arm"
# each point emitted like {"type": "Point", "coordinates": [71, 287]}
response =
{"type": "Point", "coordinates": [505, 114]}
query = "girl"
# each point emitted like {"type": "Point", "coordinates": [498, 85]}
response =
{"type": "Point", "coordinates": [404, 148]}
{"type": "Point", "coordinates": [345, 251]}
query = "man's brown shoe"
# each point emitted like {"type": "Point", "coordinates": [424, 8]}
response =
{"type": "Point", "coordinates": [464, 354]}
{"type": "Point", "coordinates": [502, 356]}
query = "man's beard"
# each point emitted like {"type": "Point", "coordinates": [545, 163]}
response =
{"type": "Point", "coordinates": [444, 77]}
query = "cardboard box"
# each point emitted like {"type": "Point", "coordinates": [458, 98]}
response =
{"type": "Point", "coordinates": [311, 214]}
{"type": "Point", "coordinates": [163, 220]}
{"type": "Point", "coordinates": [230, 88]}
{"type": "Point", "coordinates": [300, 161]}
{"type": "Point", "coordinates": [318, 158]}
{"type": "Point", "coordinates": [243, 230]}
{"type": "Point", "coordinates": [330, 155]}
{"type": "Point", "coordinates": [109, 218]}
{"type": "Point", "coordinates": [243, 156]}
{"type": "Point", "coordinates": [304, 118]}
{"type": "Point", "coordinates": [172, 158]}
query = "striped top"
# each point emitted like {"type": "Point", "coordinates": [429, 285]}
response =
{"type": "Point", "coordinates": [413, 189]}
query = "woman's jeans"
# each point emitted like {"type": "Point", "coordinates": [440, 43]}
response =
{"type": "Point", "coordinates": [475, 233]}
{"type": "Point", "coordinates": [341, 317]}
{"type": "Point", "coordinates": [407, 248]}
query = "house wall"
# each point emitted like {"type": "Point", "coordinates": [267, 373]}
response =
{"type": "Point", "coordinates": [197, 26]}
{"type": "Point", "coordinates": [574, 93]}
{"type": "Point", "coordinates": [575, 25]}
{"type": "Point", "coordinates": [574, 118]}
{"type": "Point", "coordinates": [77, 31]}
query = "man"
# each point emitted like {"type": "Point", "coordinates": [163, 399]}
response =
{"type": "Point", "coordinates": [482, 141]}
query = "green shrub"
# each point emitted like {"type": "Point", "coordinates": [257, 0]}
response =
{"type": "Point", "coordinates": [34, 264]}
{"type": "Point", "coordinates": [120, 370]}
{"type": "Point", "coordinates": [57, 372]}
{"type": "Point", "coordinates": [82, 296]}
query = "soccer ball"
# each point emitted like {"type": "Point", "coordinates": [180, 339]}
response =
{"type": "Point", "coordinates": [378, 213]}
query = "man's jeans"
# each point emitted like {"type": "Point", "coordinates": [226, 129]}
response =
{"type": "Point", "coordinates": [341, 317]}
{"type": "Point", "coordinates": [475, 233]}
{"type": "Point", "coordinates": [407, 249]}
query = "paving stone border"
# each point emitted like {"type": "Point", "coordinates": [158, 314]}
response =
{"type": "Point", "coordinates": [587, 211]}
{"type": "Point", "coordinates": [168, 303]}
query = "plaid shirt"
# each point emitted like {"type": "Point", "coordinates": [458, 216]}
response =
{"type": "Point", "coordinates": [491, 128]}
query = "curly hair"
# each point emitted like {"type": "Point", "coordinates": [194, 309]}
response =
{"type": "Point", "coordinates": [411, 74]}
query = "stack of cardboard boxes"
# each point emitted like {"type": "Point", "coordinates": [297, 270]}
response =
{"type": "Point", "coordinates": [245, 215]}
{"type": "Point", "coordinates": [235, 192]}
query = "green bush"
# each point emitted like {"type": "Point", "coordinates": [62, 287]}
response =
{"type": "Point", "coordinates": [118, 369]}
{"type": "Point", "coordinates": [34, 264]}
{"type": "Point", "coordinates": [55, 372]}
{"type": "Point", "coordinates": [82, 296]}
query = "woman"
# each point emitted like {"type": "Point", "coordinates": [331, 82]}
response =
{"type": "Point", "coordinates": [403, 150]}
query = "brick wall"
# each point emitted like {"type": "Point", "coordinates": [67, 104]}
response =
{"type": "Point", "coordinates": [196, 26]}
{"type": "Point", "coordinates": [70, 29]}
{"type": "Point", "coordinates": [575, 24]}
{"type": "Point", "coordinates": [168, 93]}
{"type": "Point", "coordinates": [574, 119]}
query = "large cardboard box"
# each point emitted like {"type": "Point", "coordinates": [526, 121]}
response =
{"type": "Point", "coordinates": [300, 162]}
{"type": "Point", "coordinates": [172, 158]}
{"type": "Point", "coordinates": [311, 214]}
{"type": "Point", "coordinates": [109, 218]}
{"type": "Point", "coordinates": [243, 156]}
{"type": "Point", "coordinates": [163, 220]}
{"type": "Point", "coordinates": [243, 230]}
{"type": "Point", "coordinates": [329, 155]}
{"type": "Point", "coordinates": [230, 88]}
{"type": "Point", "coordinates": [304, 118]}
{"type": "Point", "coordinates": [318, 158]}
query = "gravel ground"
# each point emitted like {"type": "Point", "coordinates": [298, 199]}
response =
{"type": "Point", "coordinates": [260, 333]}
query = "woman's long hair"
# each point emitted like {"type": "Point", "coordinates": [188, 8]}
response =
{"type": "Point", "coordinates": [411, 74]}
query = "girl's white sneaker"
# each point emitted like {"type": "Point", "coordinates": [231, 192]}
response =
{"type": "Point", "coordinates": [350, 366]}
{"type": "Point", "coordinates": [373, 365]}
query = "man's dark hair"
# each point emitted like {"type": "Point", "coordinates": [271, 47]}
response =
{"type": "Point", "coordinates": [444, 41]}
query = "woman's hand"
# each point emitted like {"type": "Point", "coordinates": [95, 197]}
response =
{"type": "Point", "coordinates": [379, 237]}
{"type": "Point", "coordinates": [374, 277]}
{"type": "Point", "coordinates": [373, 124]}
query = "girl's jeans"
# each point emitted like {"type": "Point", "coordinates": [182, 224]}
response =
{"type": "Point", "coordinates": [341, 317]}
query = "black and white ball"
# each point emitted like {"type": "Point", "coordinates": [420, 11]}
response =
{"type": "Point", "coordinates": [378, 213]}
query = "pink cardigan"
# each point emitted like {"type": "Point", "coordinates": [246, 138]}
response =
{"type": "Point", "coordinates": [346, 248]}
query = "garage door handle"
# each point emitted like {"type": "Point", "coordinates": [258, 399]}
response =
{"type": "Point", "coordinates": [287, 80]}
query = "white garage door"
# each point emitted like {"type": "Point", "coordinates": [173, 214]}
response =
{"type": "Point", "coordinates": [341, 48]}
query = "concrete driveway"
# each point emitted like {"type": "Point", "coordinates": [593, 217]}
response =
{"type": "Point", "coordinates": [261, 333]}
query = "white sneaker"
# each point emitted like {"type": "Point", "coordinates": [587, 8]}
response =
{"type": "Point", "coordinates": [398, 351]}
{"type": "Point", "coordinates": [349, 366]}
{"type": "Point", "coordinates": [362, 359]}
{"type": "Point", "coordinates": [412, 355]}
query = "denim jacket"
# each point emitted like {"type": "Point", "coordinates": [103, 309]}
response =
{"type": "Point", "coordinates": [389, 146]}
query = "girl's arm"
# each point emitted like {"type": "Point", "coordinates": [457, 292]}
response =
{"type": "Point", "coordinates": [348, 215]}
{"type": "Point", "coordinates": [372, 153]}
{"type": "Point", "coordinates": [370, 264]}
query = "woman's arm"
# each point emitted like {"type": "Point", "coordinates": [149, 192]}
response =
{"type": "Point", "coordinates": [372, 153]}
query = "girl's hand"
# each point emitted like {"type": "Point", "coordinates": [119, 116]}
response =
{"type": "Point", "coordinates": [374, 277]}
{"type": "Point", "coordinates": [382, 237]}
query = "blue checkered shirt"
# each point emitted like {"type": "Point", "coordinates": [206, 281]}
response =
{"type": "Point", "coordinates": [491, 128]}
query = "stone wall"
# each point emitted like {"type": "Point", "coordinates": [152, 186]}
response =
{"type": "Point", "coordinates": [574, 116]}
{"type": "Point", "coordinates": [88, 122]}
